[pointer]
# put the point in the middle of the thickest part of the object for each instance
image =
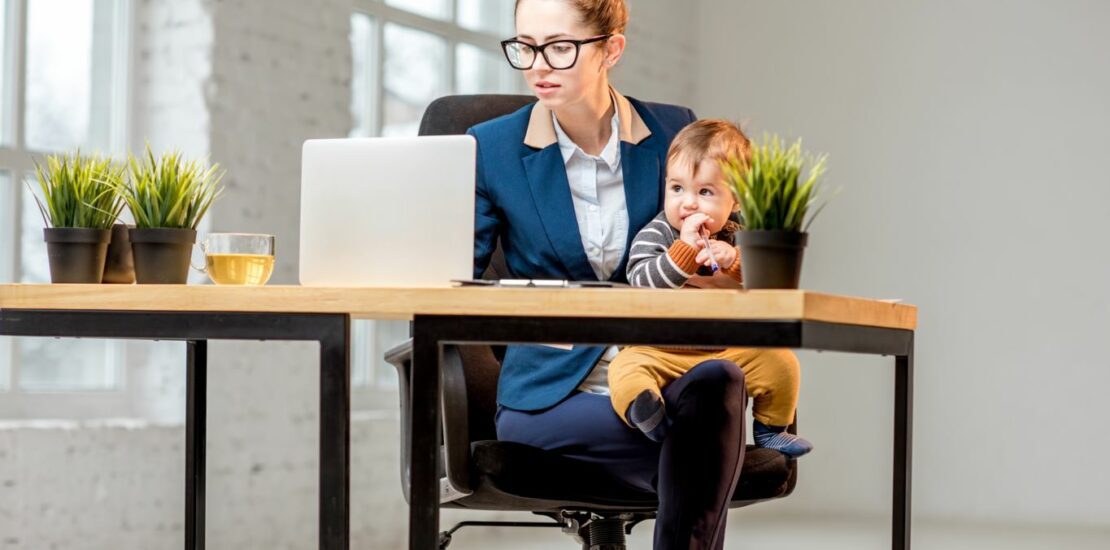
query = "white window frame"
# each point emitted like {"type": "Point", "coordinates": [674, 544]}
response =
{"type": "Point", "coordinates": [371, 389]}
{"type": "Point", "coordinates": [17, 161]}
{"type": "Point", "coordinates": [448, 29]}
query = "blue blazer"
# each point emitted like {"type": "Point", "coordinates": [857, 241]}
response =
{"type": "Point", "coordinates": [523, 198]}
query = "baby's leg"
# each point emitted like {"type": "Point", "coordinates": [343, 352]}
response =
{"type": "Point", "coordinates": [636, 378]}
{"type": "Point", "coordinates": [773, 377]}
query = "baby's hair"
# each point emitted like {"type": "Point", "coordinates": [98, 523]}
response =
{"type": "Point", "coordinates": [709, 138]}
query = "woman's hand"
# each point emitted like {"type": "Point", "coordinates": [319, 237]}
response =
{"type": "Point", "coordinates": [691, 228]}
{"type": "Point", "coordinates": [722, 251]}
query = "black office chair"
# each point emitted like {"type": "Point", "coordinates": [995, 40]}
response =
{"type": "Point", "coordinates": [481, 473]}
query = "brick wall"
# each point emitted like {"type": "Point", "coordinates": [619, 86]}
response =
{"type": "Point", "coordinates": [246, 82]}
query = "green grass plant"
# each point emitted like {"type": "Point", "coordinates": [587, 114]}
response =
{"type": "Point", "coordinates": [772, 192]}
{"type": "Point", "coordinates": [78, 191]}
{"type": "Point", "coordinates": [170, 191]}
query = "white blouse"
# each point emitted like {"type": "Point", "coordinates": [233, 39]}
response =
{"type": "Point", "coordinates": [597, 191]}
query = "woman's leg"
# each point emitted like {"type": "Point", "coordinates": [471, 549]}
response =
{"type": "Point", "coordinates": [584, 427]}
{"type": "Point", "coordinates": [701, 457]}
{"type": "Point", "coordinates": [694, 471]}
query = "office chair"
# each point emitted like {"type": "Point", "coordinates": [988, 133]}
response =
{"type": "Point", "coordinates": [481, 473]}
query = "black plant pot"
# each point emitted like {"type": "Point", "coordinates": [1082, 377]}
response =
{"type": "Point", "coordinates": [76, 254]}
{"type": "Point", "coordinates": [771, 259]}
{"type": "Point", "coordinates": [119, 266]}
{"type": "Point", "coordinates": [162, 255]}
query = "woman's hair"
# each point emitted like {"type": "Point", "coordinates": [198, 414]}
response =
{"type": "Point", "coordinates": [605, 16]}
{"type": "Point", "coordinates": [709, 138]}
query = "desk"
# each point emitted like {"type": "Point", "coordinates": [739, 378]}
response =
{"type": "Point", "coordinates": [446, 316]}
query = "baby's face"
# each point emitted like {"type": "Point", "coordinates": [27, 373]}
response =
{"type": "Point", "coordinates": [689, 191]}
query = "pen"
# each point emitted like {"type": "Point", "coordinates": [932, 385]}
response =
{"type": "Point", "coordinates": [712, 260]}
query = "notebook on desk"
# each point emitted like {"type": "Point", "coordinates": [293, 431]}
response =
{"type": "Point", "coordinates": [537, 283]}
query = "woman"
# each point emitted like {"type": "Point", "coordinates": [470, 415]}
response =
{"type": "Point", "coordinates": [564, 184]}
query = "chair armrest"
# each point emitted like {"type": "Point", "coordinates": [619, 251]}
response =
{"type": "Point", "coordinates": [455, 434]}
{"type": "Point", "coordinates": [456, 424]}
{"type": "Point", "coordinates": [400, 356]}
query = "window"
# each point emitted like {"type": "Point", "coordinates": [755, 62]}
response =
{"type": "Point", "coordinates": [414, 75]}
{"type": "Point", "coordinates": [406, 53]}
{"type": "Point", "coordinates": [64, 77]}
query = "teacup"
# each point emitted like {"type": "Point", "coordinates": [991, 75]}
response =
{"type": "Point", "coordinates": [238, 258]}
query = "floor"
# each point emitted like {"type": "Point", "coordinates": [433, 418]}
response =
{"type": "Point", "coordinates": [814, 534]}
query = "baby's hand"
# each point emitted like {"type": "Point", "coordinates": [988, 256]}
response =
{"type": "Point", "coordinates": [724, 253]}
{"type": "Point", "coordinates": [691, 228]}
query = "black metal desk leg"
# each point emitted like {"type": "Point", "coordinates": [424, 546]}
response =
{"type": "Point", "coordinates": [335, 434]}
{"type": "Point", "coordinates": [196, 404]}
{"type": "Point", "coordinates": [903, 449]}
{"type": "Point", "coordinates": [424, 450]}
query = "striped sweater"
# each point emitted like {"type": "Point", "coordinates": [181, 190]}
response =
{"type": "Point", "coordinates": [659, 259]}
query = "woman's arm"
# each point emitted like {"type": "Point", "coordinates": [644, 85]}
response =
{"type": "Point", "coordinates": [486, 222]}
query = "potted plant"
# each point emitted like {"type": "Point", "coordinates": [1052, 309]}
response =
{"type": "Point", "coordinates": [775, 202]}
{"type": "Point", "coordinates": [167, 196]}
{"type": "Point", "coordinates": [78, 204]}
{"type": "Point", "coordinates": [119, 266]}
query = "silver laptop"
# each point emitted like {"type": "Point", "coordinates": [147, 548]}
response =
{"type": "Point", "coordinates": [395, 212]}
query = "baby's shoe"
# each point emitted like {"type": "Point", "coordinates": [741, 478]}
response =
{"type": "Point", "coordinates": [776, 437]}
{"type": "Point", "coordinates": [648, 413]}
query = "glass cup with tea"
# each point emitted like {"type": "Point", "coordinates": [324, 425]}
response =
{"type": "Point", "coordinates": [238, 258]}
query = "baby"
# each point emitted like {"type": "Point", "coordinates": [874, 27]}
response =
{"type": "Point", "coordinates": [676, 249]}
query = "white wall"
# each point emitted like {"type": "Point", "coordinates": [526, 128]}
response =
{"type": "Point", "coordinates": [658, 64]}
{"type": "Point", "coordinates": [969, 138]}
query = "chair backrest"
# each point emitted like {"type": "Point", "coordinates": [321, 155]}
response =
{"type": "Point", "coordinates": [452, 115]}
{"type": "Point", "coordinates": [455, 114]}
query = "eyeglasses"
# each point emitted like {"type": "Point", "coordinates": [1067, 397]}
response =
{"type": "Point", "coordinates": [559, 54]}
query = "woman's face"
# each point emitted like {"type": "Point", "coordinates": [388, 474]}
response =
{"type": "Point", "coordinates": [541, 21]}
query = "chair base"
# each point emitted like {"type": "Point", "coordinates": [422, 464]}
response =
{"type": "Point", "coordinates": [593, 531]}
{"type": "Point", "coordinates": [445, 537]}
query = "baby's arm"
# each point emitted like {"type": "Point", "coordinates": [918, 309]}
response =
{"type": "Point", "coordinates": [727, 255]}
{"type": "Point", "coordinates": [733, 270]}
{"type": "Point", "coordinates": [652, 262]}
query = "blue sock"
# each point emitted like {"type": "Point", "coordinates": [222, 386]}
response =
{"type": "Point", "coordinates": [648, 413]}
{"type": "Point", "coordinates": [776, 438]}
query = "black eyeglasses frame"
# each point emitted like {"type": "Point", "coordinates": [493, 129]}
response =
{"type": "Point", "coordinates": [541, 50]}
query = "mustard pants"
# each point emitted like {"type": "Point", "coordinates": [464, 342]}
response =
{"type": "Point", "coordinates": [771, 375]}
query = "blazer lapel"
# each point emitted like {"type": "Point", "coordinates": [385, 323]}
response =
{"type": "Point", "coordinates": [547, 178]}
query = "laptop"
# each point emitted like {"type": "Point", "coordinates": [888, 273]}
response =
{"type": "Point", "coordinates": [392, 212]}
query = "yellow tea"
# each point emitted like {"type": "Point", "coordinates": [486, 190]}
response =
{"type": "Point", "coordinates": [240, 269]}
